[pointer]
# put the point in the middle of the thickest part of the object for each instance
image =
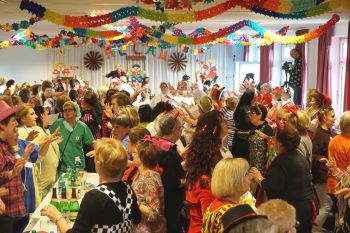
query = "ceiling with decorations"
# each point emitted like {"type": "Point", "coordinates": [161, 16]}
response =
{"type": "Point", "coordinates": [114, 25]}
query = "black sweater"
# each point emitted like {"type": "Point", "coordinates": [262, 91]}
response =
{"type": "Point", "coordinates": [289, 178]}
{"type": "Point", "coordinates": [97, 208]}
{"type": "Point", "coordinates": [320, 141]}
{"type": "Point", "coordinates": [174, 194]}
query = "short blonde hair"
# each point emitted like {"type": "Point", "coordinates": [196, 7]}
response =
{"type": "Point", "coordinates": [22, 112]}
{"type": "Point", "coordinates": [301, 121]}
{"type": "Point", "coordinates": [344, 123]}
{"type": "Point", "coordinates": [280, 213]}
{"type": "Point", "coordinates": [130, 111]}
{"type": "Point", "coordinates": [111, 156]}
{"type": "Point", "coordinates": [228, 177]}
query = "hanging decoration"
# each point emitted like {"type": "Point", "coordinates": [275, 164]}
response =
{"type": "Point", "coordinates": [174, 4]}
{"type": "Point", "coordinates": [117, 15]}
{"type": "Point", "coordinates": [136, 74]}
{"type": "Point", "coordinates": [60, 52]}
{"type": "Point", "coordinates": [93, 60]}
{"type": "Point", "coordinates": [177, 61]}
{"type": "Point", "coordinates": [151, 50]}
{"type": "Point", "coordinates": [159, 4]}
{"type": "Point", "coordinates": [262, 38]}
{"type": "Point", "coordinates": [24, 24]}
{"type": "Point", "coordinates": [163, 55]}
{"type": "Point", "coordinates": [61, 69]}
{"type": "Point", "coordinates": [191, 16]}
{"type": "Point", "coordinates": [135, 50]}
{"type": "Point", "coordinates": [207, 71]}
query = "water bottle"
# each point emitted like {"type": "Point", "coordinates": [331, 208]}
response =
{"type": "Point", "coordinates": [61, 186]}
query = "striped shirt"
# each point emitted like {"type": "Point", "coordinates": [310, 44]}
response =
{"type": "Point", "coordinates": [228, 115]}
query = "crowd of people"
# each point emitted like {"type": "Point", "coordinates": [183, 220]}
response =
{"type": "Point", "coordinates": [192, 158]}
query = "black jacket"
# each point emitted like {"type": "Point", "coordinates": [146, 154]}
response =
{"type": "Point", "coordinates": [174, 193]}
{"type": "Point", "coordinates": [289, 178]}
{"type": "Point", "coordinates": [240, 146]}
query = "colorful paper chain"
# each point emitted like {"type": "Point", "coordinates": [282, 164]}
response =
{"type": "Point", "coordinates": [174, 4]}
{"type": "Point", "coordinates": [96, 21]}
{"type": "Point", "coordinates": [273, 37]}
{"type": "Point", "coordinates": [24, 24]}
{"type": "Point", "coordinates": [257, 6]}
{"type": "Point", "coordinates": [41, 42]}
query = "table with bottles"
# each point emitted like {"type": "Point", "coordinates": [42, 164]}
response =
{"type": "Point", "coordinates": [66, 195]}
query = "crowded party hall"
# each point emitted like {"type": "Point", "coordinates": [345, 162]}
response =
{"type": "Point", "coordinates": [175, 116]}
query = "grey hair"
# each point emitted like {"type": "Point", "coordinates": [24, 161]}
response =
{"type": "Point", "coordinates": [123, 120]}
{"type": "Point", "coordinates": [345, 121]}
{"type": "Point", "coordinates": [166, 124]}
{"type": "Point", "coordinates": [261, 225]}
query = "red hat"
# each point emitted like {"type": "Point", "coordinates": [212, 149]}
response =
{"type": "Point", "coordinates": [6, 111]}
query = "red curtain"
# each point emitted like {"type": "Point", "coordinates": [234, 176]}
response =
{"type": "Point", "coordinates": [302, 49]}
{"type": "Point", "coordinates": [323, 64]}
{"type": "Point", "coordinates": [246, 53]}
{"type": "Point", "coordinates": [266, 63]}
{"type": "Point", "coordinates": [347, 76]}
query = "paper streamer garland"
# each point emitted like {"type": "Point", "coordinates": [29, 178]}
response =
{"type": "Point", "coordinates": [174, 4]}
{"type": "Point", "coordinates": [65, 38]}
{"type": "Point", "coordinates": [114, 16]}
{"type": "Point", "coordinates": [24, 24]}
{"type": "Point", "coordinates": [192, 16]}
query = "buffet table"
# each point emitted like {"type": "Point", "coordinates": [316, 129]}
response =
{"type": "Point", "coordinates": [42, 223]}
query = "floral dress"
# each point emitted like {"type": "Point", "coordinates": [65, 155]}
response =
{"type": "Point", "coordinates": [149, 190]}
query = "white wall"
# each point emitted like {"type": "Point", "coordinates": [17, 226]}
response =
{"type": "Point", "coordinates": [312, 51]}
{"type": "Point", "coordinates": [23, 64]}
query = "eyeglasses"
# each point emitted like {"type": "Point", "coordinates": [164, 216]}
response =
{"type": "Point", "coordinates": [68, 110]}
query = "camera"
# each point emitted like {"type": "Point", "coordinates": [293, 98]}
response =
{"type": "Point", "coordinates": [287, 66]}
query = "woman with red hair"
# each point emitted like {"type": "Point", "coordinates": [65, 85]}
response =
{"type": "Point", "coordinates": [201, 157]}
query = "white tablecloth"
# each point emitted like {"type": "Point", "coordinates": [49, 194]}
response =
{"type": "Point", "coordinates": [38, 222]}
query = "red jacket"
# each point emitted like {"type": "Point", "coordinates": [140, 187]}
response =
{"type": "Point", "coordinates": [199, 198]}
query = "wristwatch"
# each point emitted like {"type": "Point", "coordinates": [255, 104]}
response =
{"type": "Point", "coordinates": [58, 219]}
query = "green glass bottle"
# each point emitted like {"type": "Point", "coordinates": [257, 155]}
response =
{"type": "Point", "coordinates": [73, 206]}
{"type": "Point", "coordinates": [54, 200]}
{"type": "Point", "coordinates": [64, 204]}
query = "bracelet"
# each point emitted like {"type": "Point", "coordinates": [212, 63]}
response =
{"type": "Point", "coordinates": [58, 219]}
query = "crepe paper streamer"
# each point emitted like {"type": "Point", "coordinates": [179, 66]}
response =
{"type": "Point", "coordinates": [256, 6]}
{"type": "Point", "coordinates": [173, 4]}
{"type": "Point", "coordinates": [167, 40]}
{"type": "Point", "coordinates": [98, 34]}
{"type": "Point", "coordinates": [262, 32]}
{"type": "Point", "coordinates": [114, 16]}
{"type": "Point", "coordinates": [24, 24]}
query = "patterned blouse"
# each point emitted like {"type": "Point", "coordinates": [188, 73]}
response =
{"type": "Point", "coordinates": [149, 190]}
{"type": "Point", "coordinates": [212, 217]}
{"type": "Point", "coordinates": [295, 74]}
{"type": "Point", "coordinates": [258, 147]}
